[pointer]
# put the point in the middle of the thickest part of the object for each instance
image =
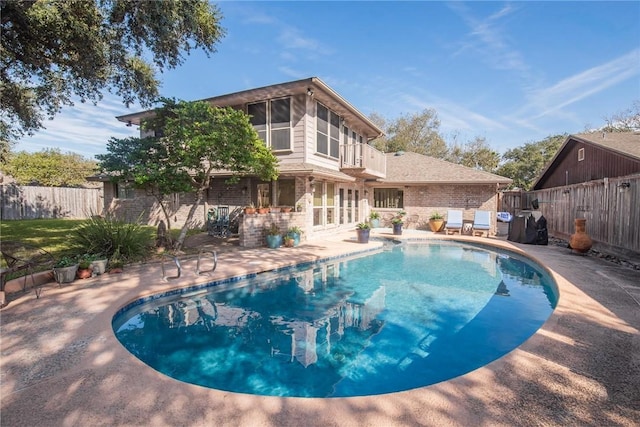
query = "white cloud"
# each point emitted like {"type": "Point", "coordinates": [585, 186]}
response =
{"type": "Point", "coordinates": [489, 41]}
{"type": "Point", "coordinates": [583, 84]}
{"type": "Point", "coordinates": [84, 128]}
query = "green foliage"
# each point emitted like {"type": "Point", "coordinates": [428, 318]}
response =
{"type": "Point", "coordinates": [53, 51]}
{"type": "Point", "coordinates": [363, 226]}
{"type": "Point", "coordinates": [49, 168]}
{"type": "Point", "coordinates": [66, 261]}
{"type": "Point", "coordinates": [418, 133]}
{"type": "Point", "coordinates": [436, 215]}
{"type": "Point", "coordinates": [374, 215]}
{"type": "Point", "coordinates": [524, 164]}
{"type": "Point", "coordinates": [294, 230]}
{"type": "Point", "coordinates": [108, 236]}
{"type": "Point", "coordinates": [197, 139]}
{"type": "Point", "coordinates": [398, 218]}
{"type": "Point", "coordinates": [272, 230]}
{"type": "Point", "coordinates": [475, 154]}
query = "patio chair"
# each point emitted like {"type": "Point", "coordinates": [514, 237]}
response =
{"type": "Point", "coordinates": [454, 221]}
{"type": "Point", "coordinates": [481, 223]}
{"type": "Point", "coordinates": [18, 257]}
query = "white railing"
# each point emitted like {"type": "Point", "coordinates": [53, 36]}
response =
{"type": "Point", "coordinates": [363, 156]}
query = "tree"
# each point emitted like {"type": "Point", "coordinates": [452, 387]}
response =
{"type": "Point", "coordinates": [524, 164]}
{"type": "Point", "coordinates": [55, 49]}
{"type": "Point", "coordinates": [418, 132]}
{"type": "Point", "coordinates": [49, 168]}
{"type": "Point", "coordinates": [624, 121]}
{"type": "Point", "coordinates": [197, 139]}
{"type": "Point", "coordinates": [475, 154]}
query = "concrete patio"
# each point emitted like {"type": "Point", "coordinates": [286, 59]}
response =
{"type": "Point", "coordinates": [61, 364]}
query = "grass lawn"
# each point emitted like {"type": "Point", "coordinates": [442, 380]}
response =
{"type": "Point", "coordinates": [52, 234]}
{"type": "Point", "coordinates": [48, 234]}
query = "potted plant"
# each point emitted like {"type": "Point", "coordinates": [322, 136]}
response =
{"type": "Point", "coordinates": [84, 267]}
{"type": "Point", "coordinates": [288, 241]}
{"type": "Point", "coordinates": [274, 238]}
{"type": "Point", "coordinates": [397, 221]}
{"type": "Point", "coordinates": [250, 209]}
{"type": "Point", "coordinates": [65, 269]}
{"type": "Point", "coordinates": [99, 263]}
{"type": "Point", "coordinates": [286, 209]}
{"type": "Point", "coordinates": [263, 209]}
{"type": "Point", "coordinates": [298, 207]}
{"type": "Point", "coordinates": [294, 233]}
{"type": "Point", "coordinates": [374, 219]}
{"type": "Point", "coordinates": [363, 229]}
{"type": "Point", "coordinates": [436, 222]}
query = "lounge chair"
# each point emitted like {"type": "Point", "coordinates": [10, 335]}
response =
{"type": "Point", "coordinates": [454, 221]}
{"type": "Point", "coordinates": [481, 223]}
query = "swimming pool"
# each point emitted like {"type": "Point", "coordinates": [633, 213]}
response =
{"type": "Point", "coordinates": [409, 316]}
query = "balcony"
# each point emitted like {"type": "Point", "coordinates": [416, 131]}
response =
{"type": "Point", "coordinates": [362, 161]}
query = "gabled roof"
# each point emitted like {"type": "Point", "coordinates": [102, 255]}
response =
{"type": "Point", "coordinates": [626, 144]}
{"type": "Point", "coordinates": [413, 168]}
{"type": "Point", "coordinates": [312, 86]}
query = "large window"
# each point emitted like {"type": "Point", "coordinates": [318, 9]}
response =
{"type": "Point", "coordinates": [281, 124]}
{"type": "Point", "coordinates": [272, 120]}
{"type": "Point", "coordinates": [388, 198]}
{"type": "Point", "coordinates": [328, 132]}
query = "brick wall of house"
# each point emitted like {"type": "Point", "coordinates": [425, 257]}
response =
{"type": "Point", "coordinates": [421, 202]}
{"type": "Point", "coordinates": [252, 227]}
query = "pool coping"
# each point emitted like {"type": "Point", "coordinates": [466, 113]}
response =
{"type": "Point", "coordinates": [62, 365]}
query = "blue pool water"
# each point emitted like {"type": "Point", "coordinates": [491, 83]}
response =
{"type": "Point", "coordinates": [409, 316]}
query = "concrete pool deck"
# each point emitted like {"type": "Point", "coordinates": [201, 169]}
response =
{"type": "Point", "coordinates": [61, 364]}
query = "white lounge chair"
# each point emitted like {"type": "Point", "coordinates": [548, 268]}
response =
{"type": "Point", "coordinates": [454, 221]}
{"type": "Point", "coordinates": [481, 223]}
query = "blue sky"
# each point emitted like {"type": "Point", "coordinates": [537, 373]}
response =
{"type": "Point", "coordinates": [511, 72]}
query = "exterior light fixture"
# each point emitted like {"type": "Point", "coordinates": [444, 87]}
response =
{"type": "Point", "coordinates": [309, 91]}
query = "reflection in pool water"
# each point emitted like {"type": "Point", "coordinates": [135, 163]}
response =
{"type": "Point", "coordinates": [406, 317]}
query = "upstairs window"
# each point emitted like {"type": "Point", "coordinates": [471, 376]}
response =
{"type": "Point", "coordinates": [281, 124]}
{"type": "Point", "coordinates": [328, 132]}
{"type": "Point", "coordinates": [580, 154]}
{"type": "Point", "coordinates": [272, 120]}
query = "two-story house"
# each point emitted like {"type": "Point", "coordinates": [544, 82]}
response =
{"type": "Point", "coordinates": [322, 144]}
{"type": "Point", "coordinates": [330, 174]}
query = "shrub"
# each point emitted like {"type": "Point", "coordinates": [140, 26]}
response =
{"type": "Point", "coordinates": [109, 236]}
{"type": "Point", "coordinates": [436, 215]}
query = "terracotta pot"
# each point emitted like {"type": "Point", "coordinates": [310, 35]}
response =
{"type": "Point", "coordinates": [263, 210]}
{"type": "Point", "coordinates": [436, 224]}
{"type": "Point", "coordinates": [580, 241]}
{"type": "Point", "coordinates": [84, 273]}
{"type": "Point", "coordinates": [249, 211]}
{"type": "Point", "coordinates": [286, 210]}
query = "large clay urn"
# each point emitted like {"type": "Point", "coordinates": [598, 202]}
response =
{"type": "Point", "coordinates": [580, 241]}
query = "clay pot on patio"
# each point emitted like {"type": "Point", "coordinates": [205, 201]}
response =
{"type": "Point", "coordinates": [580, 241]}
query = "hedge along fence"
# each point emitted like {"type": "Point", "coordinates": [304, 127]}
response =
{"type": "Point", "coordinates": [30, 202]}
{"type": "Point", "coordinates": [611, 207]}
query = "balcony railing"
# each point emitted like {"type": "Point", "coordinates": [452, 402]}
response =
{"type": "Point", "coordinates": [363, 160]}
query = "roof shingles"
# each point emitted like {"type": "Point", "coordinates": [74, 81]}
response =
{"type": "Point", "coordinates": [408, 167]}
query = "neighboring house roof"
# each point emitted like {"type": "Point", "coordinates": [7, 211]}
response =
{"type": "Point", "coordinates": [318, 89]}
{"type": "Point", "coordinates": [413, 168]}
{"type": "Point", "coordinates": [625, 144]}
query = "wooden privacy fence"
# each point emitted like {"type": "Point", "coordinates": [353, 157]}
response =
{"type": "Point", "coordinates": [27, 202]}
{"type": "Point", "coordinates": [611, 207]}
